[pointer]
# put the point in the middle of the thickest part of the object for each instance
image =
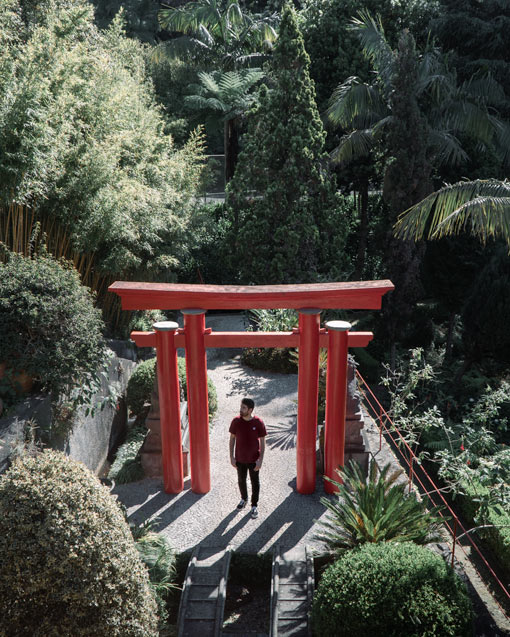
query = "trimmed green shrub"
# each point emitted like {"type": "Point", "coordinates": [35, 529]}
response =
{"type": "Point", "coordinates": [141, 383]}
{"type": "Point", "coordinates": [272, 359]}
{"type": "Point", "coordinates": [394, 590]}
{"type": "Point", "coordinates": [68, 561]}
{"type": "Point", "coordinates": [49, 326]}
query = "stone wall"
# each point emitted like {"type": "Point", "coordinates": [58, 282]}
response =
{"type": "Point", "coordinates": [93, 436]}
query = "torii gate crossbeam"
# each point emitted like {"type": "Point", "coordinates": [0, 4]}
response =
{"type": "Point", "coordinates": [193, 301]}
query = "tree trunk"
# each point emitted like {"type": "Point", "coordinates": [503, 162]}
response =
{"type": "Point", "coordinates": [363, 230]}
{"type": "Point", "coordinates": [231, 145]}
{"type": "Point", "coordinates": [449, 337]}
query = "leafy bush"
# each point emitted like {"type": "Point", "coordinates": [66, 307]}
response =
{"type": "Point", "coordinates": [273, 359]}
{"type": "Point", "coordinates": [393, 590]}
{"type": "Point", "coordinates": [141, 383]}
{"type": "Point", "coordinates": [496, 520]}
{"type": "Point", "coordinates": [68, 562]}
{"type": "Point", "coordinates": [375, 509]}
{"type": "Point", "coordinates": [48, 324]}
{"type": "Point", "coordinates": [98, 161]}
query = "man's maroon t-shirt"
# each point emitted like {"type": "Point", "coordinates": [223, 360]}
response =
{"type": "Point", "coordinates": [247, 433]}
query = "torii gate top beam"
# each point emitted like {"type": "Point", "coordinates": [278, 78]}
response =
{"type": "Point", "coordinates": [357, 295]}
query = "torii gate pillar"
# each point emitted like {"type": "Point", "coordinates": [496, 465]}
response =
{"type": "Point", "coordinates": [308, 394]}
{"type": "Point", "coordinates": [198, 406]}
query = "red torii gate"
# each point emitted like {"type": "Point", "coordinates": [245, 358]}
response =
{"type": "Point", "coordinates": [193, 301]}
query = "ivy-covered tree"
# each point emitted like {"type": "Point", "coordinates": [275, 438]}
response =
{"type": "Point", "coordinates": [282, 200]}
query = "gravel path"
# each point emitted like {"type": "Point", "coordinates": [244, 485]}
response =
{"type": "Point", "coordinates": [285, 516]}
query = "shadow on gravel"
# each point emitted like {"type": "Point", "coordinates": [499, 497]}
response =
{"type": "Point", "coordinates": [294, 514]}
{"type": "Point", "coordinates": [262, 387]}
{"type": "Point", "coordinates": [283, 435]}
{"type": "Point", "coordinates": [222, 535]}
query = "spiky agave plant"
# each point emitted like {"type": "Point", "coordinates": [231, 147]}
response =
{"type": "Point", "coordinates": [374, 509]}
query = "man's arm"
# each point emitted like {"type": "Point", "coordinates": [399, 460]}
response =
{"type": "Point", "coordinates": [258, 464]}
{"type": "Point", "coordinates": [231, 445]}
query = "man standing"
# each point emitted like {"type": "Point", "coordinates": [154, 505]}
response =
{"type": "Point", "coordinates": [247, 446]}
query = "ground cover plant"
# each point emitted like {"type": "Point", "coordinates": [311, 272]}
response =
{"type": "Point", "coordinates": [68, 562]}
{"type": "Point", "coordinates": [392, 589]}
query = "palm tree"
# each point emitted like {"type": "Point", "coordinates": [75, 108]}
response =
{"type": "Point", "coordinates": [225, 95]}
{"type": "Point", "coordinates": [480, 207]}
{"type": "Point", "coordinates": [413, 114]}
{"type": "Point", "coordinates": [366, 111]}
{"type": "Point", "coordinates": [215, 32]}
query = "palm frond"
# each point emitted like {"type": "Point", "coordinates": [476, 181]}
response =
{"type": "Point", "coordinates": [502, 137]}
{"type": "Point", "coordinates": [470, 118]}
{"type": "Point", "coordinates": [201, 103]}
{"type": "Point", "coordinates": [448, 149]}
{"type": "Point", "coordinates": [484, 87]}
{"type": "Point", "coordinates": [357, 144]}
{"type": "Point", "coordinates": [375, 46]}
{"type": "Point", "coordinates": [353, 100]}
{"type": "Point", "coordinates": [209, 81]}
{"type": "Point", "coordinates": [481, 207]}
{"type": "Point", "coordinates": [182, 47]}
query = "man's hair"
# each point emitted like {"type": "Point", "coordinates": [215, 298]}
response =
{"type": "Point", "coordinates": [248, 402]}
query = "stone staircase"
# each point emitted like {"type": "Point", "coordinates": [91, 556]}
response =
{"type": "Point", "coordinates": [204, 591]}
{"type": "Point", "coordinates": [291, 592]}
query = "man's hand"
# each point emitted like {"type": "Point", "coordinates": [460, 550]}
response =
{"type": "Point", "coordinates": [233, 462]}
{"type": "Point", "coordinates": [258, 464]}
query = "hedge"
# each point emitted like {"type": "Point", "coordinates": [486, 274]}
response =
{"type": "Point", "coordinates": [394, 590]}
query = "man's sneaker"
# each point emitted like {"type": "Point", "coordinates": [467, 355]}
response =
{"type": "Point", "coordinates": [254, 512]}
{"type": "Point", "coordinates": [241, 504]}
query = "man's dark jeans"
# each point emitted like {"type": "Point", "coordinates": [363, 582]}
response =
{"type": "Point", "coordinates": [242, 472]}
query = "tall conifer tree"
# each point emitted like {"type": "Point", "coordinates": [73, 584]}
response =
{"type": "Point", "coordinates": [282, 199]}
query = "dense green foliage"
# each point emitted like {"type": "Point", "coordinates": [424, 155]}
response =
{"type": "Point", "coordinates": [127, 466]}
{"type": "Point", "coordinates": [477, 35]}
{"type": "Point", "coordinates": [333, 47]}
{"type": "Point", "coordinates": [282, 201]}
{"type": "Point", "coordinates": [68, 562]}
{"type": "Point", "coordinates": [375, 508]}
{"type": "Point", "coordinates": [391, 589]}
{"type": "Point", "coordinates": [141, 385]}
{"type": "Point", "coordinates": [48, 324]}
{"type": "Point", "coordinates": [97, 158]}
{"type": "Point", "coordinates": [217, 32]}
